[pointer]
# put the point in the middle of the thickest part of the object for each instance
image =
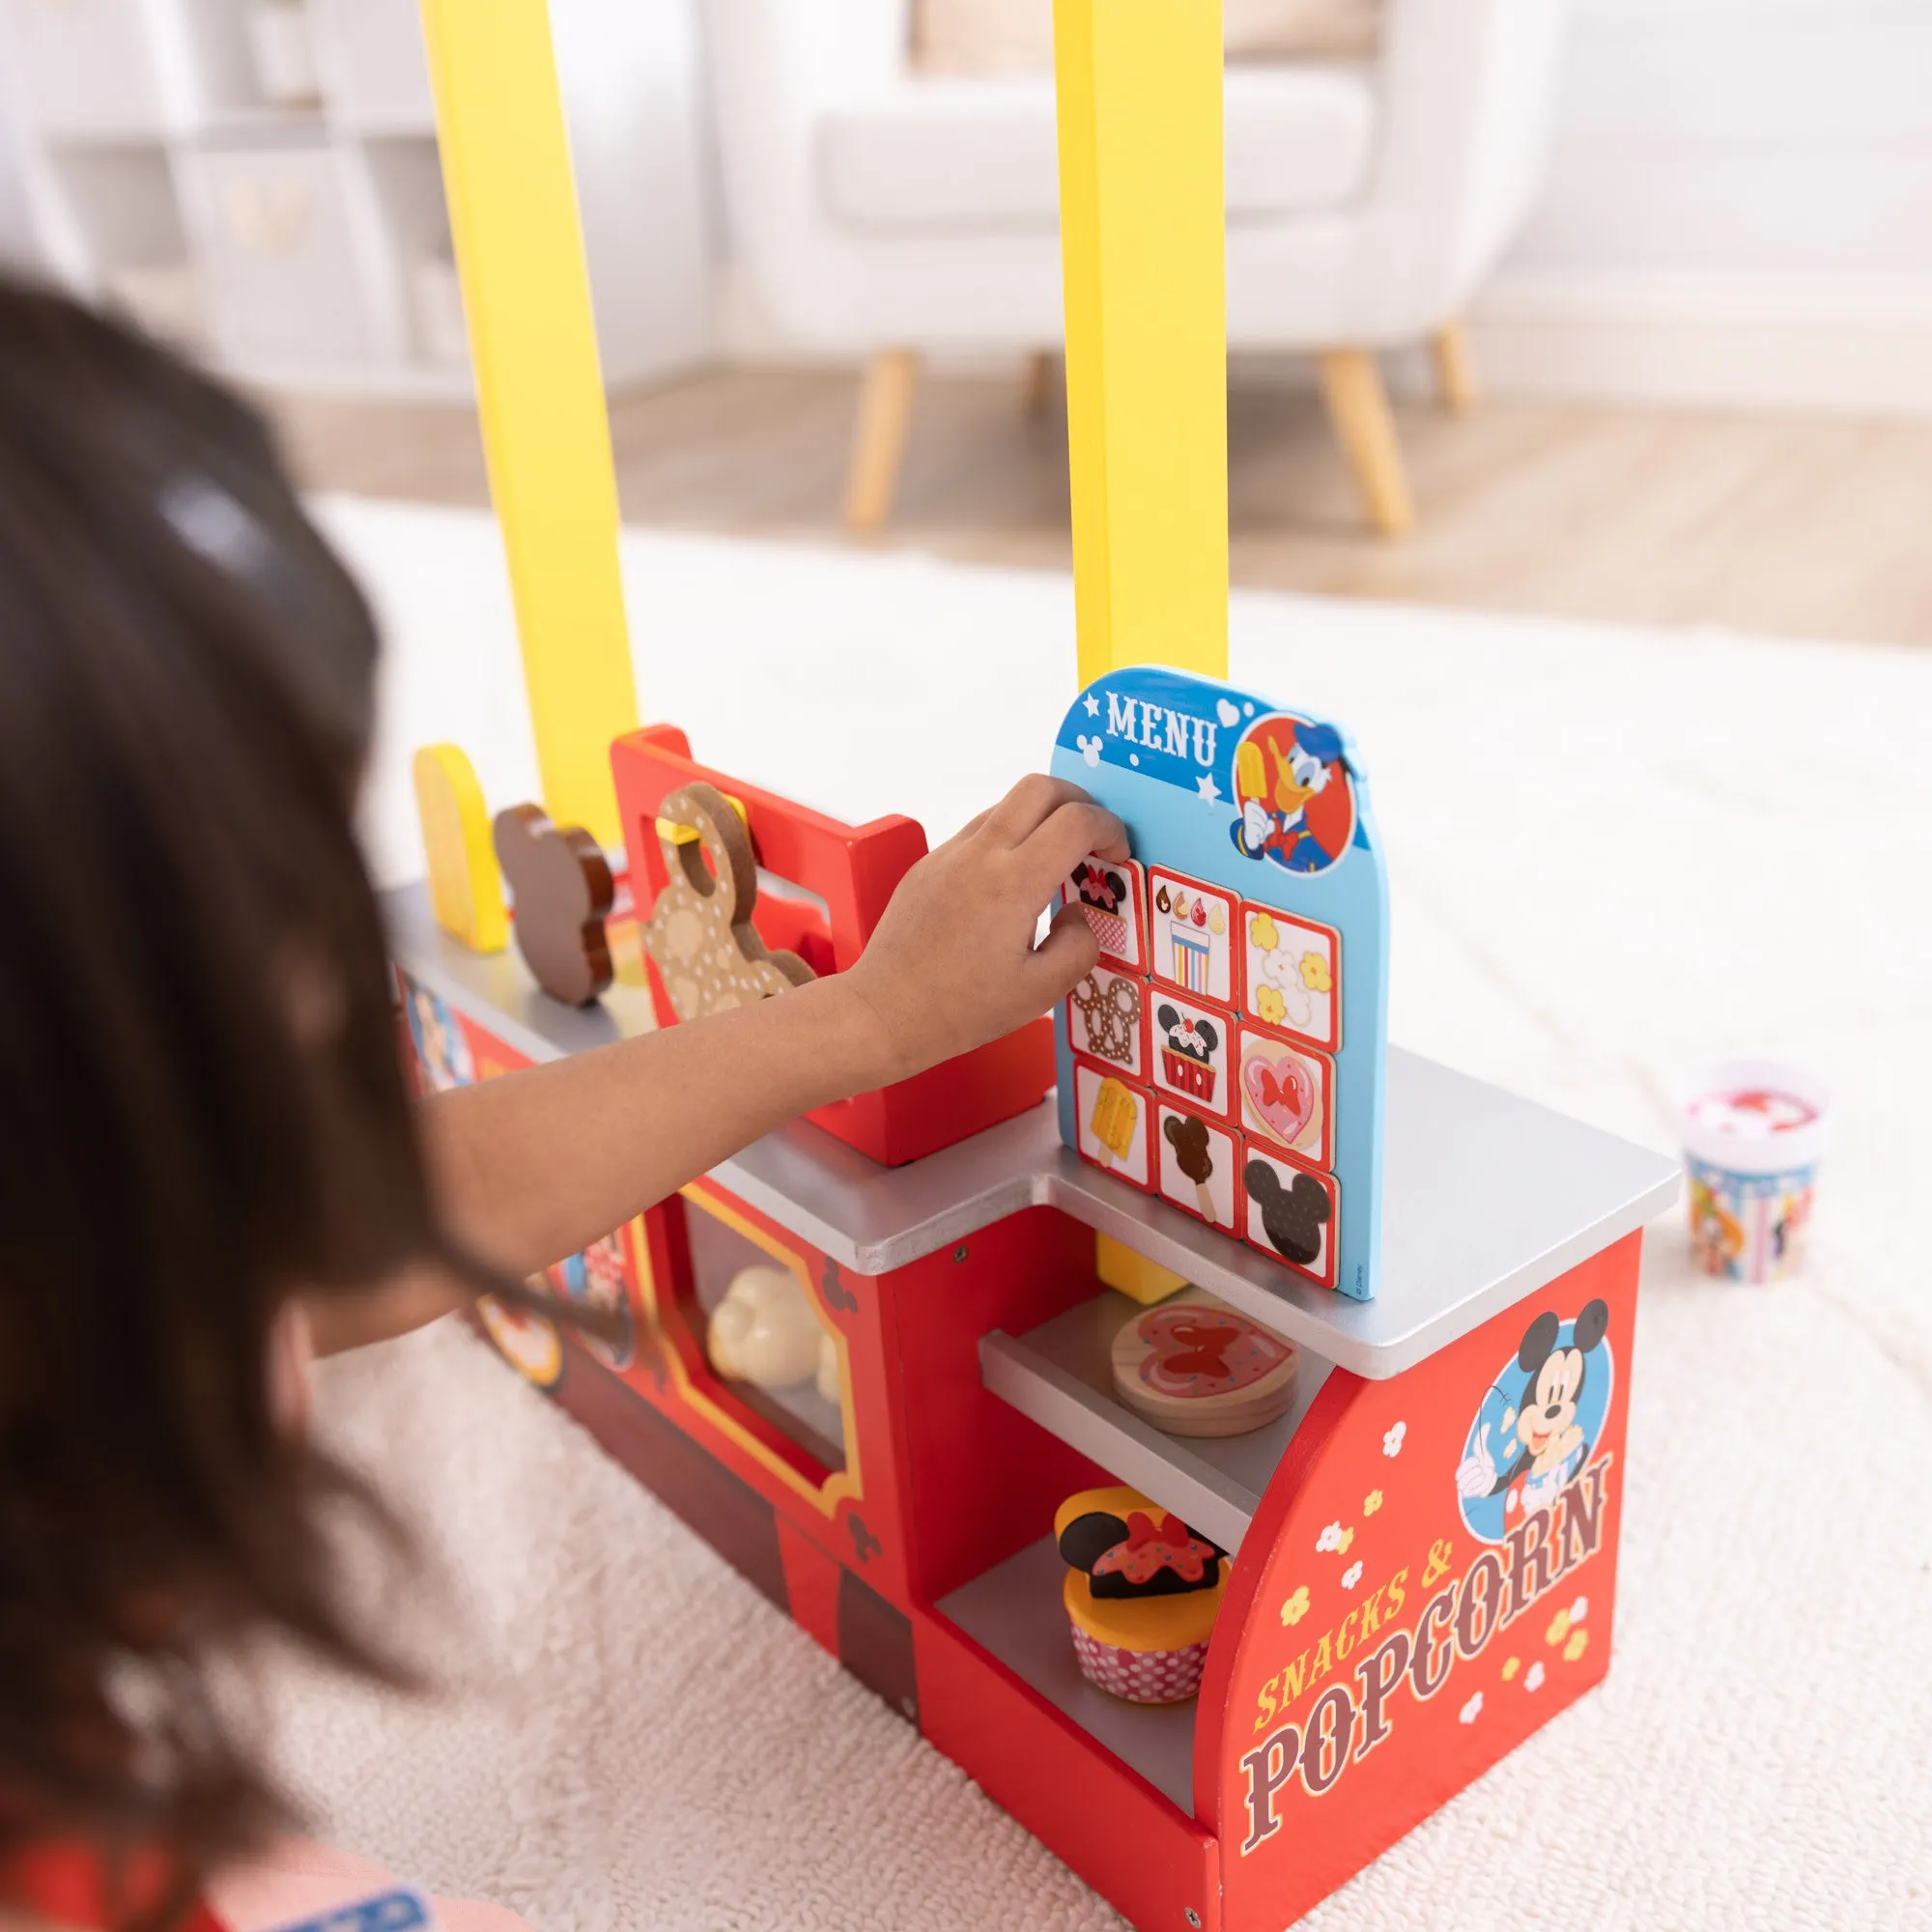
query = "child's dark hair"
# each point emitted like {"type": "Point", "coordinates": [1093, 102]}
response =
{"type": "Point", "coordinates": [202, 1102]}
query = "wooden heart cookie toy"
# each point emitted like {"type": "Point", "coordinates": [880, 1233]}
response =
{"type": "Point", "coordinates": [699, 934]}
{"type": "Point", "coordinates": [1195, 1366]}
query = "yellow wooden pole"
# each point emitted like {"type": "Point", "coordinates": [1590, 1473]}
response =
{"type": "Point", "coordinates": [506, 174]}
{"type": "Point", "coordinates": [1143, 255]}
{"type": "Point", "coordinates": [1142, 261]}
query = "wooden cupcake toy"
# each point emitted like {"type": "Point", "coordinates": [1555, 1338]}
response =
{"type": "Point", "coordinates": [1194, 1366]}
{"type": "Point", "coordinates": [1142, 1594]}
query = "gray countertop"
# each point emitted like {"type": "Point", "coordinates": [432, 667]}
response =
{"type": "Point", "coordinates": [1486, 1197]}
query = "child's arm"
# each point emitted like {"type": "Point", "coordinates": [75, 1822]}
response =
{"type": "Point", "coordinates": [536, 1165]}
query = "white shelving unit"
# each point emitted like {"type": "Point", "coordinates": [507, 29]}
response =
{"type": "Point", "coordinates": [259, 180]}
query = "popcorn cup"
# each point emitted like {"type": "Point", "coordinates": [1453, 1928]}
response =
{"type": "Point", "coordinates": [1754, 1132]}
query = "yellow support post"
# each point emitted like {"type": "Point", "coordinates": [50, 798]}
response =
{"type": "Point", "coordinates": [1143, 253]}
{"type": "Point", "coordinates": [1144, 265]}
{"type": "Point", "coordinates": [513, 216]}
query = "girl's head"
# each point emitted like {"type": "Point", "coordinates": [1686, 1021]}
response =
{"type": "Point", "coordinates": [202, 1105]}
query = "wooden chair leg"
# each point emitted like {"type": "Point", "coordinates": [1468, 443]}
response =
{"type": "Point", "coordinates": [1351, 386]}
{"type": "Point", "coordinates": [878, 440]}
{"type": "Point", "coordinates": [1037, 390]}
{"type": "Point", "coordinates": [1454, 367]}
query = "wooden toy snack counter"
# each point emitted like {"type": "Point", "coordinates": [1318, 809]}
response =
{"type": "Point", "coordinates": [873, 1359]}
{"type": "Point", "coordinates": [1422, 1544]}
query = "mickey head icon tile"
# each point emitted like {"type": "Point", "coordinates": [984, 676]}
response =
{"type": "Point", "coordinates": [1287, 1094]}
{"type": "Point", "coordinates": [1112, 894]}
{"type": "Point", "coordinates": [1190, 936]}
{"type": "Point", "coordinates": [1115, 1124]}
{"type": "Point", "coordinates": [1291, 1213]}
{"type": "Point", "coordinates": [1291, 975]}
{"type": "Point", "coordinates": [1106, 1020]}
{"type": "Point", "coordinates": [1192, 1053]}
{"type": "Point", "coordinates": [1200, 1167]}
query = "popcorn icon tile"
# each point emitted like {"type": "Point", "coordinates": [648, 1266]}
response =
{"type": "Point", "coordinates": [1192, 1053]}
{"type": "Point", "coordinates": [1200, 1167]}
{"type": "Point", "coordinates": [1291, 975]}
{"type": "Point", "coordinates": [1288, 1096]}
{"type": "Point", "coordinates": [1289, 1212]}
{"type": "Point", "coordinates": [1113, 895]}
{"type": "Point", "coordinates": [1115, 1124]}
{"type": "Point", "coordinates": [1191, 934]}
{"type": "Point", "coordinates": [1107, 1020]}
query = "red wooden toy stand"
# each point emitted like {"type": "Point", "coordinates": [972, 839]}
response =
{"type": "Point", "coordinates": [1399, 1614]}
{"type": "Point", "coordinates": [843, 876]}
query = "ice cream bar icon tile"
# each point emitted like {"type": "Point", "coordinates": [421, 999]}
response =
{"type": "Point", "coordinates": [1113, 1124]}
{"type": "Point", "coordinates": [1112, 894]}
{"type": "Point", "coordinates": [1192, 931]}
{"type": "Point", "coordinates": [1199, 1168]}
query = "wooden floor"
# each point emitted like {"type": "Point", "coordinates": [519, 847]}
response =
{"type": "Point", "coordinates": [1804, 527]}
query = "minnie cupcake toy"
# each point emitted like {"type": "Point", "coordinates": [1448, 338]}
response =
{"type": "Point", "coordinates": [1142, 1594]}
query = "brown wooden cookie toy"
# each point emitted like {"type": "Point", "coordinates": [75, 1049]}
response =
{"type": "Point", "coordinates": [699, 934]}
{"type": "Point", "coordinates": [562, 885]}
{"type": "Point", "coordinates": [1194, 1366]}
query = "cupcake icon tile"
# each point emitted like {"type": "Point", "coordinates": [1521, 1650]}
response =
{"type": "Point", "coordinates": [1193, 1053]}
{"type": "Point", "coordinates": [1288, 1096]}
{"type": "Point", "coordinates": [1191, 931]}
{"type": "Point", "coordinates": [1291, 975]}
{"type": "Point", "coordinates": [1199, 1168]}
{"type": "Point", "coordinates": [1109, 892]}
{"type": "Point", "coordinates": [1141, 1593]}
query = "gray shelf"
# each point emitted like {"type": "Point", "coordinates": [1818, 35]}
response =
{"type": "Point", "coordinates": [1486, 1197]}
{"type": "Point", "coordinates": [1014, 1611]}
{"type": "Point", "coordinates": [1060, 1374]}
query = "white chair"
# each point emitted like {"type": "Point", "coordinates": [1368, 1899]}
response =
{"type": "Point", "coordinates": [880, 213]}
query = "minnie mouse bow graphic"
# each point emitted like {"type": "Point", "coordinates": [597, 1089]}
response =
{"type": "Point", "coordinates": [1206, 1353]}
{"type": "Point", "coordinates": [1099, 889]}
{"type": "Point", "coordinates": [1151, 1546]}
{"type": "Point", "coordinates": [1271, 1090]}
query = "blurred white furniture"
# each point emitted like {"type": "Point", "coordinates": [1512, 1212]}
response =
{"type": "Point", "coordinates": [259, 179]}
{"type": "Point", "coordinates": [879, 213]}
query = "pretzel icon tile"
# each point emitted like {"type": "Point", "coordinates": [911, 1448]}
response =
{"type": "Point", "coordinates": [699, 935]}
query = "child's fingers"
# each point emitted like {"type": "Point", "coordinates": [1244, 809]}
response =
{"type": "Point", "coordinates": [1029, 805]}
{"type": "Point", "coordinates": [1064, 958]}
{"type": "Point", "coordinates": [968, 830]}
{"type": "Point", "coordinates": [1074, 829]}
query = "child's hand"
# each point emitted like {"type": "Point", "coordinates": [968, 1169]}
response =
{"type": "Point", "coordinates": [952, 963]}
{"type": "Point", "coordinates": [538, 1164]}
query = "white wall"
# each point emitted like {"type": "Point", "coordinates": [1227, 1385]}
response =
{"type": "Point", "coordinates": [18, 246]}
{"type": "Point", "coordinates": [1739, 209]}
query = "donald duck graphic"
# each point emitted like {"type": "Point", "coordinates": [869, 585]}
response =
{"type": "Point", "coordinates": [1292, 783]}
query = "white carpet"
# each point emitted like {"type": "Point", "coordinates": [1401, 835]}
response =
{"type": "Point", "coordinates": [1613, 852]}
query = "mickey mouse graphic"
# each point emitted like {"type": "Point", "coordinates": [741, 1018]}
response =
{"type": "Point", "coordinates": [1545, 1429]}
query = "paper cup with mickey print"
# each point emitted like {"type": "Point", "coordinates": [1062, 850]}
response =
{"type": "Point", "coordinates": [1754, 1133]}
